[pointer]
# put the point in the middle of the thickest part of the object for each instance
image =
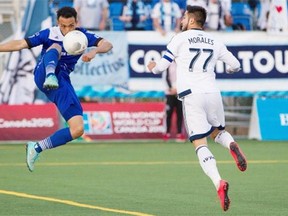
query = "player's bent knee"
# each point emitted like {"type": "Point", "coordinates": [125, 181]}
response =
{"type": "Point", "coordinates": [56, 46]}
{"type": "Point", "coordinates": [77, 132]}
{"type": "Point", "coordinates": [214, 133]}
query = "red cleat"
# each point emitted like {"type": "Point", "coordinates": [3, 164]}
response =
{"type": "Point", "coordinates": [180, 138]}
{"type": "Point", "coordinates": [166, 137]}
{"type": "Point", "coordinates": [223, 195]}
{"type": "Point", "coordinates": [238, 156]}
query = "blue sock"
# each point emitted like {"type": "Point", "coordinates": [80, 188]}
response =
{"type": "Point", "coordinates": [59, 138]}
{"type": "Point", "coordinates": [50, 59]}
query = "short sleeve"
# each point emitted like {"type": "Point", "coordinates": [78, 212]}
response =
{"type": "Point", "coordinates": [38, 38]}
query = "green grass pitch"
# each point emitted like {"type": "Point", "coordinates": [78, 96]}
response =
{"type": "Point", "coordinates": [141, 179]}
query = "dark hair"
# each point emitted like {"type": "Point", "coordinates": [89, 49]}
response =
{"type": "Point", "coordinates": [67, 12]}
{"type": "Point", "coordinates": [198, 12]}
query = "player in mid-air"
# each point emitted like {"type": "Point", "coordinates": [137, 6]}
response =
{"type": "Point", "coordinates": [51, 76]}
{"type": "Point", "coordinates": [195, 53]}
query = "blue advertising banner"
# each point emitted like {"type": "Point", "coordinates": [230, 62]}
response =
{"type": "Point", "coordinates": [268, 61]}
{"type": "Point", "coordinates": [273, 118]}
{"type": "Point", "coordinates": [257, 62]}
{"type": "Point", "coordinates": [140, 55]}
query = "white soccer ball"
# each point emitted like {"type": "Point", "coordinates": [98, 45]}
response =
{"type": "Point", "coordinates": [75, 42]}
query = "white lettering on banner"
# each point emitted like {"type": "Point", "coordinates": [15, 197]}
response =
{"type": "Point", "coordinates": [259, 65]}
{"type": "Point", "coordinates": [134, 61]}
{"type": "Point", "coordinates": [264, 61]}
{"type": "Point", "coordinates": [123, 129]}
{"type": "Point", "coordinates": [140, 54]}
{"type": "Point", "coordinates": [123, 115]}
{"type": "Point", "coordinates": [27, 123]}
{"type": "Point", "coordinates": [282, 68]}
{"type": "Point", "coordinates": [284, 119]}
{"type": "Point", "coordinates": [246, 57]}
{"type": "Point", "coordinates": [138, 122]}
{"type": "Point", "coordinates": [147, 122]}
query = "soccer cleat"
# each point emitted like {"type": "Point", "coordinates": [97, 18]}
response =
{"type": "Point", "coordinates": [223, 195]}
{"type": "Point", "coordinates": [51, 82]}
{"type": "Point", "coordinates": [238, 156]}
{"type": "Point", "coordinates": [180, 138]}
{"type": "Point", "coordinates": [31, 155]}
{"type": "Point", "coordinates": [166, 137]}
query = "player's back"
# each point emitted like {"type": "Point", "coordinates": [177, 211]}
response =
{"type": "Point", "coordinates": [196, 55]}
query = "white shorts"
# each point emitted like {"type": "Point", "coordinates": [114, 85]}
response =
{"type": "Point", "coordinates": [202, 113]}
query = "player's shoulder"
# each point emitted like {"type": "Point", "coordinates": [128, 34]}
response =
{"type": "Point", "coordinates": [44, 33]}
{"type": "Point", "coordinates": [85, 31]}
{"type": "Point", "coordinates": [91, 36]}
{"type": "Point", "coordinates": [55, 33]}
{"type": "Point", "coordinates": [81, 29]}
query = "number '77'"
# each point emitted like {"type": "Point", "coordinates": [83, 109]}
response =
{"type": "Point", "coordinates": [198, 52]}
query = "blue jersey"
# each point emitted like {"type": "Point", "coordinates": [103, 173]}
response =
{"type": "Point", "coordinates": [52, 35]}
{"type": "Point", "coordinates": [64, 97]}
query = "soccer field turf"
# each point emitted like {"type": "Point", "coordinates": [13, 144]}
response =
{"type": "Point", "coordinates": [141, 178]}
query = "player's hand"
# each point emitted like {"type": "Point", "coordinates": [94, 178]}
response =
{"type": "Point", "coordinates": [87, 57]}
{"type": "Point", "coordinates": [173, 91]}
{"type": "Point", "coordinates": [231, 70]}
{"type": "Point", "coordinates": [151, 65]}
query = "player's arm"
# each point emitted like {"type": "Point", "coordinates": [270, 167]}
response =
{"type": "Point", "coordinates": [161, 65]}
{"type": "Point", "coordinates": [158, 67]}
{"type": "Point", "coordinates": [13, 45]}
{"type": "Point", "coordinates": [167, 58]}
{"type": "Point", "coordinates": [233, 64]}
{"type": "Point", "coordinates": [103, 46]}
{"type": "Point", "coordinates": [228, 58]}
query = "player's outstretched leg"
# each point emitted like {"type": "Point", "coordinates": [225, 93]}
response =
{"type": "Point", "coordinates": [223, 195]}
{"type": "Point", "coordinates": [238, 156]}
{"type": "Point", "coordinates": [31, 155]}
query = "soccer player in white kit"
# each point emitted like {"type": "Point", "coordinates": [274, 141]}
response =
{"type": "Point", "coordinates": [196, 53]}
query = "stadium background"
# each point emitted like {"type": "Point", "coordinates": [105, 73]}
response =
{"type": "Point", "coordinates": [255, 99]}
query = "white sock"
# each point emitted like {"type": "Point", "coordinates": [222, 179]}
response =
{"type": "Point", "coordinates": [208, 164]}
{"type": "Point", "coordinates": [50, 69]}
{"type": "Point", "coordinates": [224, 138]}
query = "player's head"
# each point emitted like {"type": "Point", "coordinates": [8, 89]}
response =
{"type": "Point", "coordinates": [194, 17]}
{"type": "Point", "coordinates": [67, 19]}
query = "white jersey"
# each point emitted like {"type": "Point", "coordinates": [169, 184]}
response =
{"type": "Point", "coordinates": [196, 53]}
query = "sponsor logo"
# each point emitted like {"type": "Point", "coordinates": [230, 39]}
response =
{"type": "Point", "coordinates": [97, 122]}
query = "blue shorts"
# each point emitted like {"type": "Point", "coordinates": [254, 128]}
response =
{"type": "Point", "coordinates": [64, 97]}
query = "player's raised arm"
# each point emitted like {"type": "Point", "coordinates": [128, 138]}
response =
{"type": "Point", "coordinates": [13, 45]}
{"type": "Point", "coordinates": [102, 47]}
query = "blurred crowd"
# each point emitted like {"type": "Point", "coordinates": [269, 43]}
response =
{"type": "Point", "coordinates": [165, 15]}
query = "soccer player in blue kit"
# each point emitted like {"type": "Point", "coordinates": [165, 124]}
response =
{"type": "Point", "coordinates": [51, 76]}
